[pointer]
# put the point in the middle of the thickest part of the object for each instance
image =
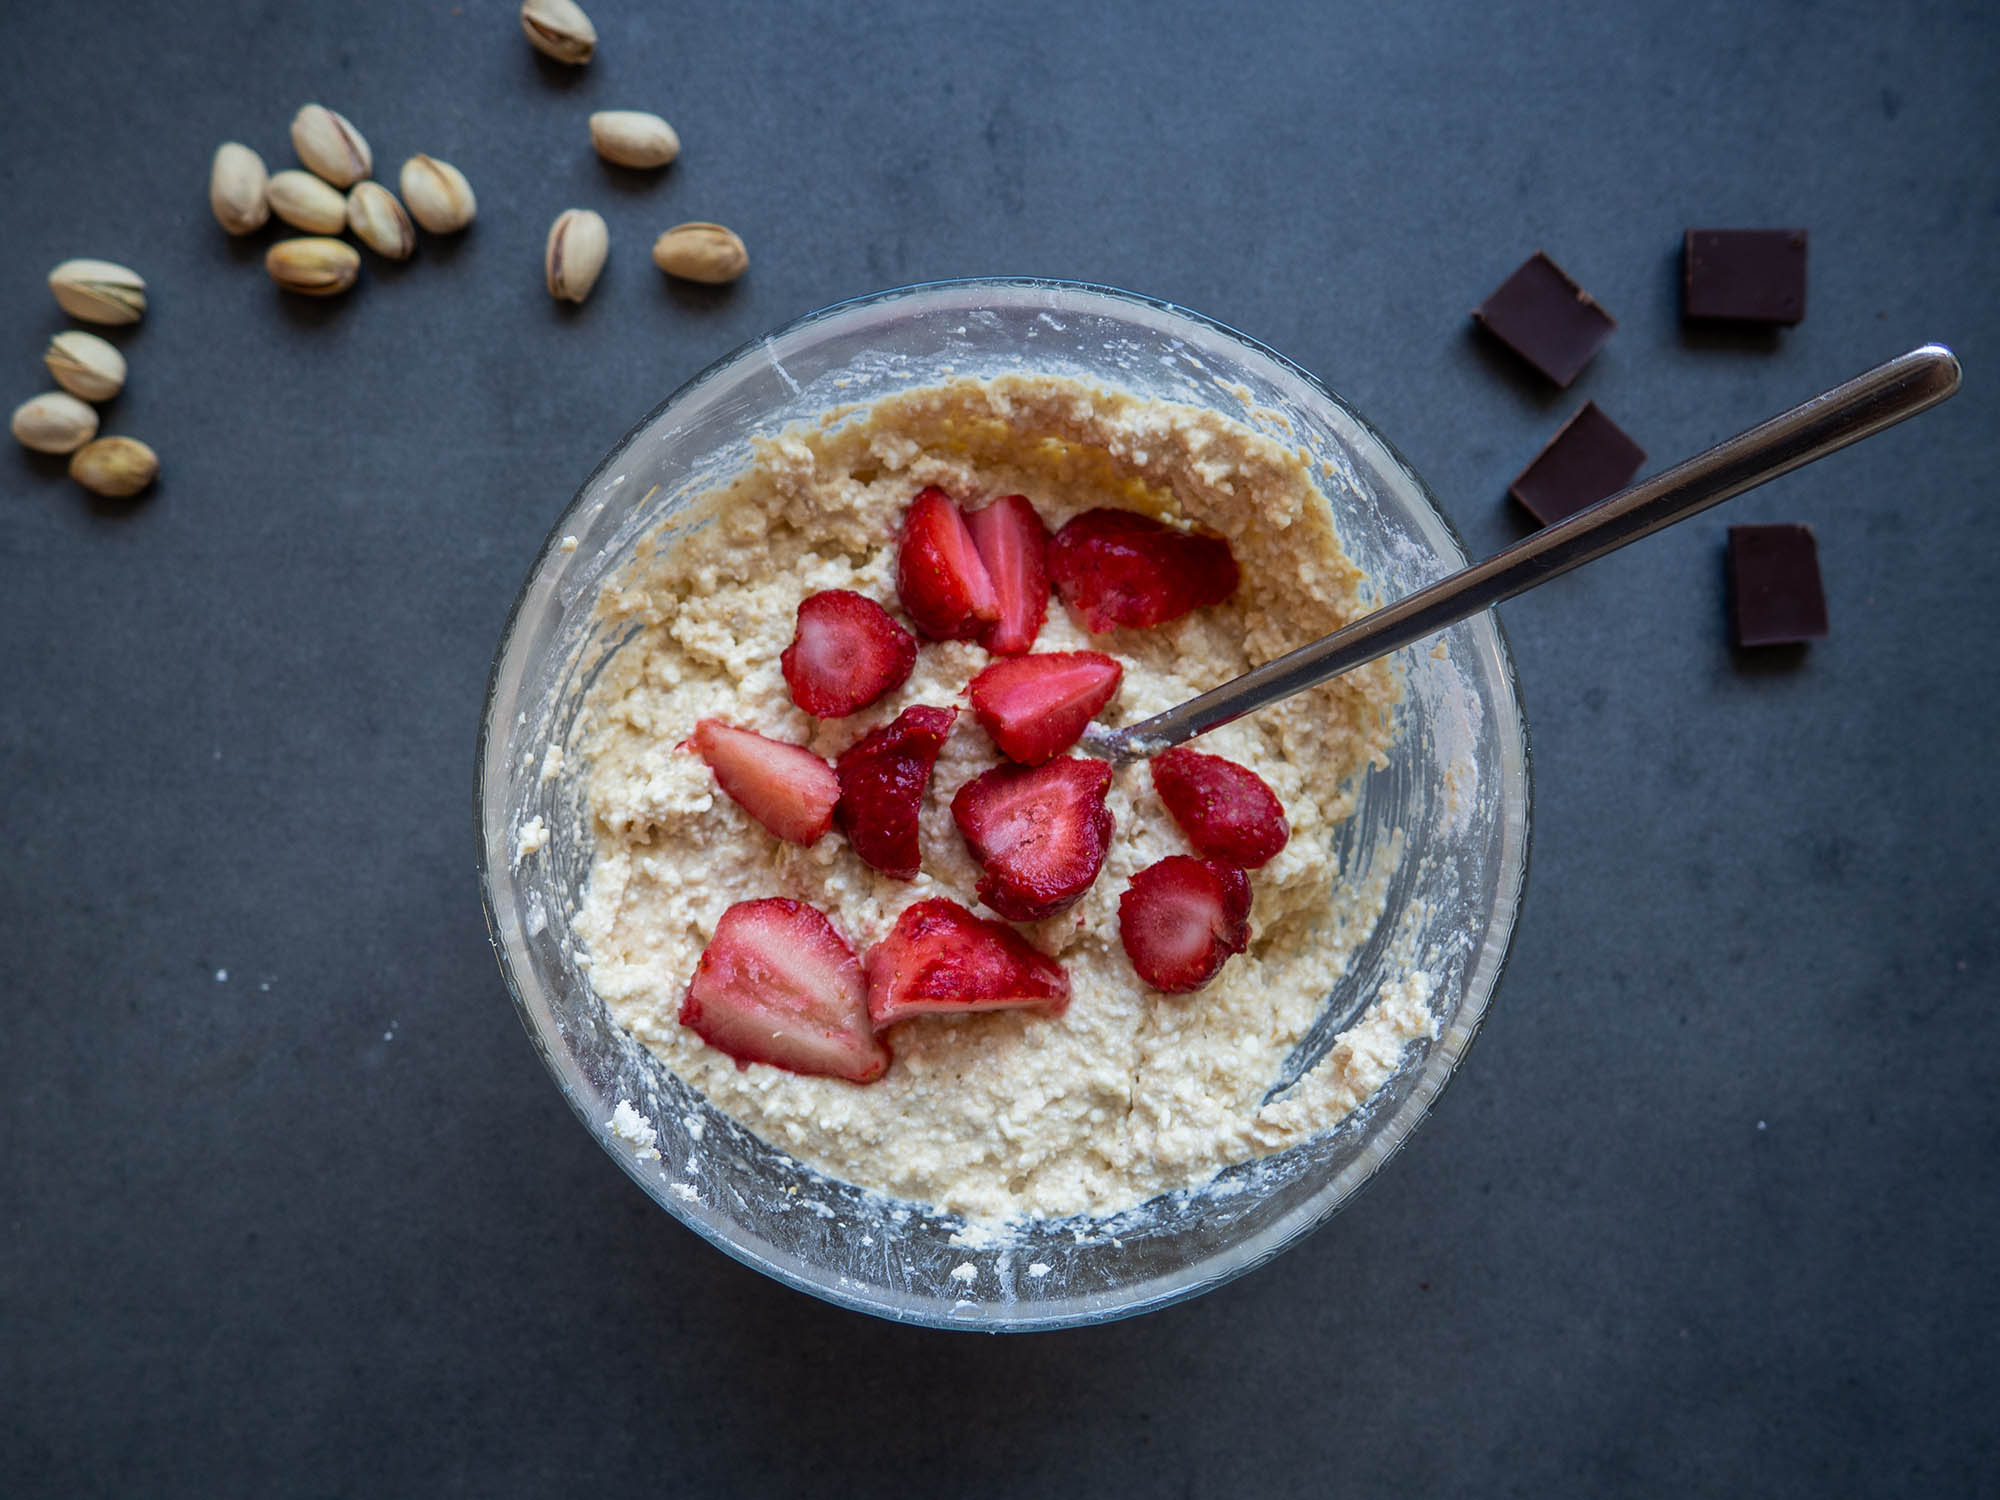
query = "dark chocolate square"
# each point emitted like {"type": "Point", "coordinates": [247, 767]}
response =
{"type": "Point", "coordinates": [1545, 317]}
{"type": "Point", "coordinates": [1744, 275]}
{"type": "Point", "coordinates": [1775, 597]}
{"type": "Point", "coordinates": [1585, 461]}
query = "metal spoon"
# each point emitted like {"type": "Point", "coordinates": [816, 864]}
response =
{"type": "Point", "coordinates": [1860, 408]}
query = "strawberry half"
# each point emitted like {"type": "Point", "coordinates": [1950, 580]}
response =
{"type": "Point", "coordinates": [940, 959]}
{"type": "Point", "coordinates": [1036, 706]}
{"type": "Point", "coordinates": [777, 984]}
{"type": "Point", "coordinates": [1011, 539]}
{"type": "Point", "coordinates": [1118, 567]}
{"type": "Point", "coordinates": [939, 575]}
{"type": "Point", "coordinates": [882, 779]}
{"type": "Point", "coordinates": [1039, 834]}
{"type": "Point", "coordinates": [785, 787]}
{"type": "Point", "coordinates": [1227, 811]}
{"type": "Point", "coordinates": [1181, 919]}
{"type": "Point", "coordinates": [845, 653]}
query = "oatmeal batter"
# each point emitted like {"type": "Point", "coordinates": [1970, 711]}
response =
{"type": "Point", "coordinates": [1007, 1113]}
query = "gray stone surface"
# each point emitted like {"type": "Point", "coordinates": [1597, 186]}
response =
{"type": "Point", "coordinates": [1710, 1207]}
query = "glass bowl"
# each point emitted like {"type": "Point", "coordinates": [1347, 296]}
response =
{"type": "Point", "coordinates": [1449, 810]}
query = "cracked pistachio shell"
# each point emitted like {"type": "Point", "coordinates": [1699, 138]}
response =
{"type": "Point", "coordinates": [578, 243]}
{"type": "Point", "coordinates": [54, 423]}
{"type": "Point", "coordinates": [378, 221]}
{"type": "Point", "coordinates": [85, 365]}
{"type": "Point", "coordinates": [701, 252]}
{"type": "Point", "coordinates": [305, 202]}
{"type": "Point", "coordinates": [236, 184]}
{"type": "Point", "coordinates": [559, 29]}
{"type": "Point", "coordinates": [119, 467]}
{"type": "Point", "coordinates": [314, 267]}
{"type": "Point", "coordinates": [330, 145]}
{"type": "Point", "coordinates": [633, 138]}
{"type": "Point", "coordinates": [99, 291]}
{"type": "Point", "coordinates": [437, 195]}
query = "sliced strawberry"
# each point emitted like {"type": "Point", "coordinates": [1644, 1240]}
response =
{"type": "Point", "coordinates": [777, 984]}
{"type": "Point", "coordinates": [1036, 706]}
{"type": "Point", "coordinates": [882, 780]}
{"type": "Point", "coordinates": [940, 959]}
{"type": "Point", "coordinates": [1118, 567]}
{"type": "Point", "coordinates": [1039, 834]}
{"type": "Point", "coordinates": [785, 787]}
{"type": "Point", "coordinates": [1227, 811]}
{"type": "Point", "coordinates": [939, 576]}
{"type": "Point", "coordinates": [845, 654]}
{"type": "Point", "coordinates": [1011, 539]}
{"type": "Point", "coordinates": [1182, 918]}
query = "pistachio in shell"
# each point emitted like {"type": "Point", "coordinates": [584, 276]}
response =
{"type": "Point", "coordinates": [54, 422]}
{"type": "Point", "coordinates": [237, 182]}
{"type": "Point", "coordinates": [701, 252]}
{"type": "Point", "coordinates": [578, 243]}
{"type": "Point", "coordinates": [115, 467]}
{"type": "Point", "coordinates": [437, 194]}
{"type": "Point", "coordinates": [85, 365]}
{"type": "Point", "coordinates": [633, 138]}
{"type": "Point", "coordinates": [329, 145]}
{"type": "Point", "coordinates": [99, 291]}
{"type": "Point", "coordinates": [313, 267]}
{"type": "Point", "coordinates": [559, 29]}
{"type": "Point", "coordinates": [378, 221]}
{"type": "Point", "coordinates": [306, 202]}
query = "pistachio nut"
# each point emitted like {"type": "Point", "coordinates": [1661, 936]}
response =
{"type": "Point", "coordinates": [236, 182]}
{"type": "Point", "coordinates": [559, 29]}
{"type": "Point", "coordinates": [85, 365]}
{"type": "Point", "coordinates": [305, 202]}
{"type": "Point", "coordinates": [119, 467]}
{"type": "Point", "coordinates": [378, 221]}
{"type": "Point", "coordinates": [314, 267]}
{"type": "Point", "coordinates": [54, 423]}
{"type": "Point", "coordinates": [331, 146]}
{"type": "Point", "coordinates": [437, 194]}
{"type": "Point", "coordinates": [633, 138]}
{"type": "Point", "coordinates": [98, 291]}
{"type": "Point", "coordinates": [701, 252]}
{"type": "Point", "coordinates": [578, 242]}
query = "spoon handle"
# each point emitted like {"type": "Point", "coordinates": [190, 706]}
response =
{"type": "Point", "coordinates": [1861, 407]}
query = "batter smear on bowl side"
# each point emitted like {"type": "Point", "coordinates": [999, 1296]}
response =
{"type": "Point", "coordinates": [852, 881]}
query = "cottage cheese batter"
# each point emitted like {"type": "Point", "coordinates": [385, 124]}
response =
{"type": "Point", "coordinates": [1007, 1113]}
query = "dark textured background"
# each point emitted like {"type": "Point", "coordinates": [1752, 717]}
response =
{"type": "Point", "coordinates": [1711, 1206]}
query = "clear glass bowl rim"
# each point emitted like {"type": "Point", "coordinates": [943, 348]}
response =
{"type": "Point", "coordinates": [1199, 1276]}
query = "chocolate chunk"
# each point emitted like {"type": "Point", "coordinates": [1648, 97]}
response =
{"type": "Point", "coordinates": [1775, 598]}
{"type": "Point", "coordinates": [1587, 460]}
{"type": "Point", "coordinates": [1547, 319]}
{"type": "Point", "coordinates": [1744, 275]}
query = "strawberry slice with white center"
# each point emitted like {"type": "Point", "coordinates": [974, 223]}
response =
{"type": "Point", "coordinates": [1038, 833]}
{"type": "Point", "coordinates": [882, 779]}
{"type": "Point", "coordinates": [785, 787]}
{"type": "Point", "coordinates": [940, 959]}
{"type": "Point", "coordinates": [845, 653]}
{"type": "Point", "coordinates": [1118, 567]}
{"type": "Point", "coordinates": [940, 578]}
{"type": "Point", "coordinates": [1035, 707]}
{"type": "Point", "coordinates": [1011, 540]}
{"type": "Point", "coordinates": [777, 984]}
{"type": "Point", "coordinates": [1181, 919]}
{"type": "Point", "coordinates": [1227, 811]}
